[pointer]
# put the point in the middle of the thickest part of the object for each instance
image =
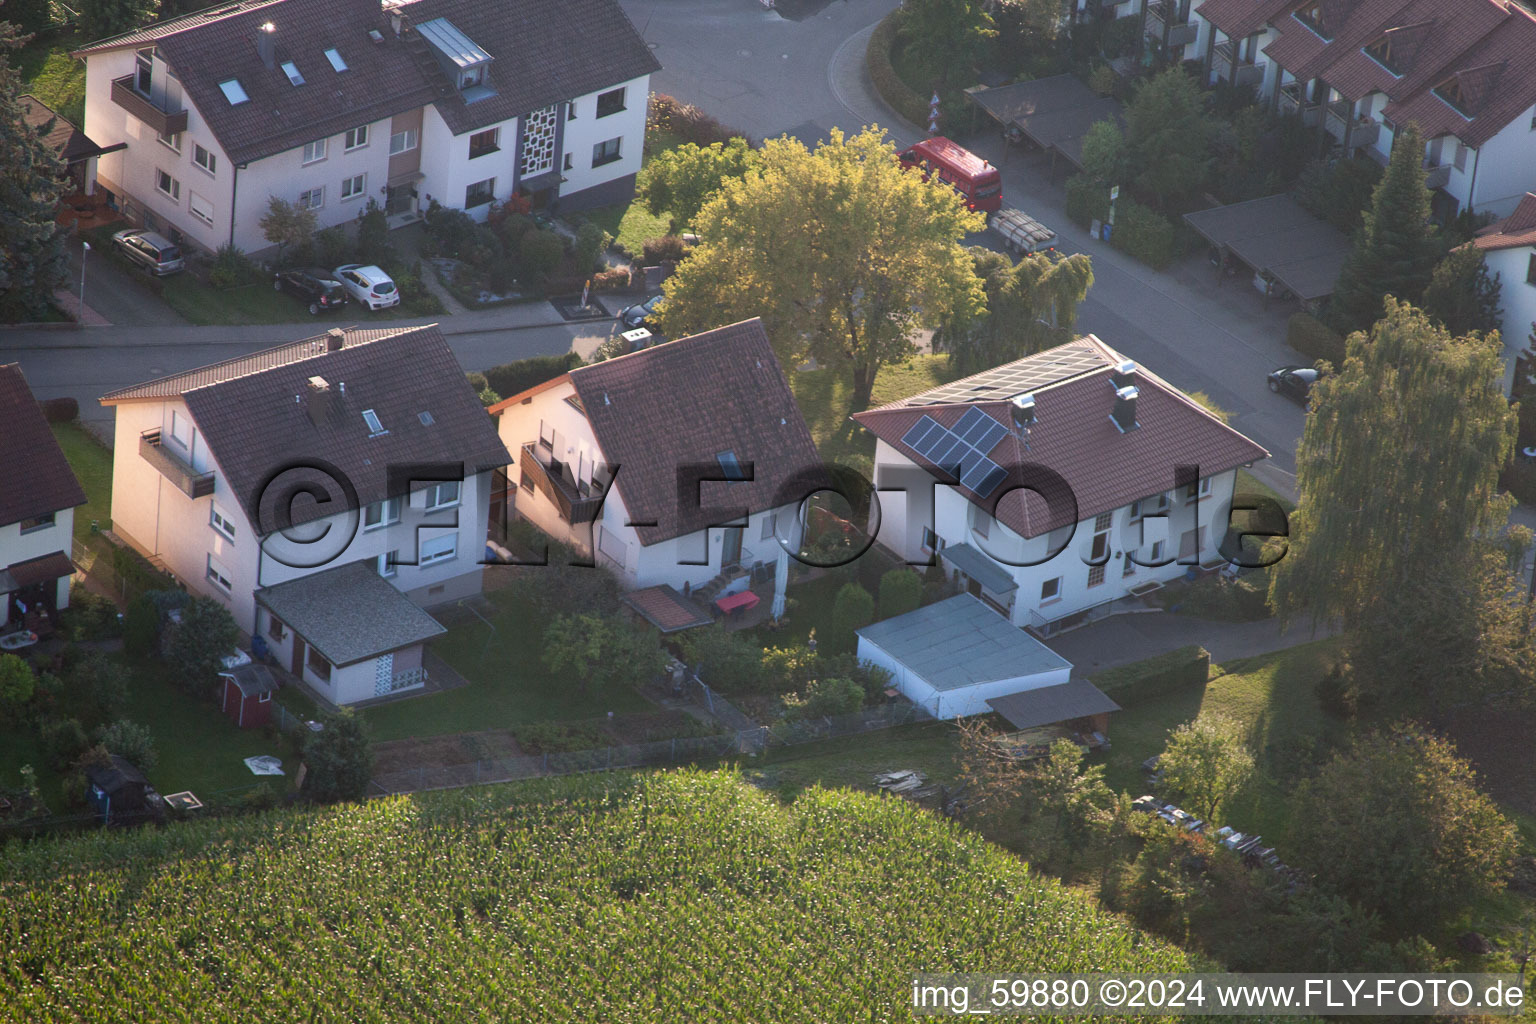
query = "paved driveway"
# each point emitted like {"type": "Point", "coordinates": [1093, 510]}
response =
{"type": "Point", "coordinates": [117, 293]}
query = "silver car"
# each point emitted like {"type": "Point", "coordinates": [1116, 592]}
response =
{"type": "Point", "coordinates": [154, 252]}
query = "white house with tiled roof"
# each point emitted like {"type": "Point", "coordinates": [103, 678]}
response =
{"type": "Point", "coordinates": [330, 103]}
{"type": "Point", "coordinates": [1070, 479]}
{"type": "Point", "coordinates": [1509, 249]}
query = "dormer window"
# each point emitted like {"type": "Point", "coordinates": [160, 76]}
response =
{"type": "Point", "coordinates": [334, 56]}
{"type": "Point", "coordinates": [1311, 15]}
{"type": "Point", "coordinates": [292, 71]}
{"type": "Point", "coordinates": [471, 77]}
{"type": "Point", "coordinates": [1381, 52]}
{"type": "Point", "coordinates": [465, 62]}
{"type": "Point", "coordinates": [234, 92]}
{"type": "Point", "coordinates": [1451, 93]}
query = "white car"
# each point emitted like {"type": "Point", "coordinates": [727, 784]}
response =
{"type": "Point", "coordinates": [368, 285]}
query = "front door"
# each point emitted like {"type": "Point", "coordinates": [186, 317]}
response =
{"type": "Point", "coordinates": [298, 656]}
{"type": "Point", "coordinates": [730, 553]}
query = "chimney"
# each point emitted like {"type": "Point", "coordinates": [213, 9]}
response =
{"type": "Point", "coordinates": [1023, 409]}
{"type": "Point", "coordinates": [266, 44]}
{"type": "Point", "coordinates": [1125, 408]}
{"type": "Point", "coordinates": [396, 21]}
{"type": "Point", "coordinates": [334, 339]}
{"type": "Point", "coordinates": [318, 394]}
{"type": "Point", "coordinates": [1123, 375]}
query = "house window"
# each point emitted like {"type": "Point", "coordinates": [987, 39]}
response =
{"type": "Point", "coordinates": [201, 208]}
{"type": "Point", "coordinates": [371, 420]}
{"type": "Point", "coordinates": [389, 563]}
{"type": "Point", "coordinates": [402, 142]}
{"type": "Point", "coordinates": [1450, 92]}
{"type": "Point", "coordinates": [181, 429]}
{"type": "Point", "coordinates": [570, 162]}
{"type": "Point", "coordinates": [318, 665]}
{"type": "Point", "coordinates": [167, 185]}
{"type": "Point", "coordinates": [292, 71]}
{"type": "Point", "coordinates": [1194, 492]}
{"type": "Point", "coordinates": [312, 199]}
{"type": "Point", "coordinates": [770, 525]}
{"type": "Point", "coordinates": [439, 549]}
{"type": "Point", "coordinates": [570, 111]}
{"type": "Point", "coordinates": [1148, 506]}
{"type": "Point", "coordinates": [470, 77]}
{"type": "Point", "coordinates": [1095, 575]}
{"type": "Point", "coordinates": [144, 69]}
{"type": "Point", "coordinates": [314, 151]}
{"type": "Point", "coordinates": [1530, 270]}
{"type": "Point", "coordinates": [1381, 51]}
{"type": "Point", "coordinates": [381, 513]}
{"type": "Point", "coordinates": [204, 159]}
{"type": "Point", "coordinates": [527, 482]}
{"type": "Point", "coordinates": [480, 193]}
{"type": "Point", "coordinates": [171, 141]}
{"type": "Point", "coordinates": [547, 434]}
{"type": "Point", "coordinates": [932, 542]}
{"type": "Point", "coordinates": [1460, 159]}
{"type": "Point", "coordinates": [353, 187]}
{"type": "Point", "coordinates": [484, 143]}
{"type": "Point", "coordinates": [275, 627]}
{"type": "Point", "coordinates": [1157, 552]}
{"type": "Point", "coordinates": [441, 495]}
{"type": "Point", "coordinates": [218, 574]}
{"type": "Point", "coordinates": [606, 152]}
{"type": "Point", "coordinates": [221, 522]}
{"type": "Point", "coordinates": [1050, 590]}
{"type": "Point", "coordinates": [234, 92]}
{"type": "Point", "coordinates": [41, 522]}
{"type": "Point", "coordinates": [731, 466]}
{"type": "Point", "coordinates": [610, 102]}
{"type": "Point", "coordinates": [1311, 15]}
{"type": "Point", "coordinates": [337, 63]}
{"type": "Point", "coordinates": [356, 138]}
{"type": "Point", "coordinates": [981, 525]}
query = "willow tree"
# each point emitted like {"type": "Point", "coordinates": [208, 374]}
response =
{"type": "Point", "coordinates": [1031, 306]}
{"type": "Point", "coordinates": [1396, 537]}
{"type": "Point", "coordinates": [842, 253]}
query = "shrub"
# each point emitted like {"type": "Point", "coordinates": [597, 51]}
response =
{"type": "Point", "coordinates": [1102, 78]}
{"type": "Point", "coordinates": [60, 410]}
{"type": "Point", "coordinates": [95, 687]}
{"type": "Point", "coordinates": [1157, 675]}
{"type": "Point", "coordinates": [851, 609]}
{"type": "Point", "coordinates": [897, 95]}
{"type": "Point", "coordinates": [1145, 234]}
{"type": "Point", "coordinates": [63, 741]}
{"type": "Point", "coordinates": [668, 247]}
{"type": "Point", "coordinates": [231, 267]}
{"type": "Point", "coordinates": [686, 122]}
{"type": "Point", "coordinates": [591, 242]}
{"type": "Point", "coordinates": [1314, 339]}
{"type": "Point", "coordinates": [197, 646]}
{"type": "Point", "coordinates": [614, 279]}
{"type": "Point", "coordinates": [510, 379]}
{"type": "Point", "coordinates": [451, 230]}
{"type": "Point", "coordinates": [331, 247]}
{"type": "Point", "coordinates": [901, 591]}
{"type": "Point", "coordinates": [726, 661]}
{"type": "Point", "coordinates": [542, 252]}
{"type": "Point", "coordinates": [340, 758]}
{"type": "Point", "coordinates": [825, 698]}
{"type": "Point", "coordinates": [90, 616]}
{"type": "Point", "coordinates": [132, 569]}
{"type": "Point", "coordinates": [130, 740]}
{"type": "Point", "coordinates": [372, 234]}
{"type": "Point", "coordinates": [1087, 200]}
{"type": "Point", "coordinates": [141, 628]}
{"type": "Point", "coordinates": [17, 683]}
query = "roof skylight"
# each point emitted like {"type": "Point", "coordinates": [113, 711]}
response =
{"type": "Point", "coordinates": [234, 92]}
{"type": "Point", "coordinates": [292, 71]}
{"type": "Point", "coordinates": [334, 56]}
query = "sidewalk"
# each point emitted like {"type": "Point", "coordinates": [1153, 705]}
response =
{"type": "Point", "coordinates": [1126, 638]}
{"type": "Point", "coordinates": [69, 304]}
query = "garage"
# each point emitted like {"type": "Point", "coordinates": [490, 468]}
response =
{"type": "Point", "coordinates": [952, 657]}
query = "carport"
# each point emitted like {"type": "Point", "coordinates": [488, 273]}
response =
{"type": "Point", "coordinates": [1049, 705]}
{"type": "Point", "coordinates": [1289, 249]}
{"type": "Point", "coordinates": [1052, 113]}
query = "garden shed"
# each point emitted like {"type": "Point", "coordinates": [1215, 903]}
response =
{"type": "Point", "coordinates": [117, 790]}
{"type": "Point", "coordinates": [246, 694]}
{"type": "Point", "coordinates": [950, 658]}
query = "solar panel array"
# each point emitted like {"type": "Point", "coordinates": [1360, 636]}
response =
{"type": "Point", "coordinates": [1028, 374]}
{"type": "Point", "coordinates": [962, 450]}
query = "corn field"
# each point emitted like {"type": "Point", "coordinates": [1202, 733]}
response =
{"type": "Point", "coordinates": [670, 897]}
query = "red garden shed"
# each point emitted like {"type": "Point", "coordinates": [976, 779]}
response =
{"type": "Point", "coordinates": [247, 694]}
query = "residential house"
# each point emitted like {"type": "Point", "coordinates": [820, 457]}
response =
{"type": "Point", "coordinates": [1056, 484]}
{"type": "Point", "coordinates": [321, 490]}
{"type": "Point", "coordinates": [1509, 249]}
{"type": "Point", "coordinates": [1464, 72]}
{"type": "Point", "coordinates": [330, 103]}
{"type": "Point", "coordinates": [673, 465]}
{"type": "Point", "coordinates": [38, 497]}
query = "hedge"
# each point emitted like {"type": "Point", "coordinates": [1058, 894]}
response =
{"type": "Point", "coordinates": [509, 379]}
{"type": "Point", "coordinates": [1519, 479]}
{"type": "Point", "coordinates": [1314, 339]}
{"type": "Point", "coordinates": [60, 410]}
{"type": "Point", "coordinates": [877, 58]}
{"type": "Point", "coordinates": [1140, 231]}
{"type": "Point", "coordinates": [1158, 675]}
{"type": "Point", "coordinates": [1087, 200]}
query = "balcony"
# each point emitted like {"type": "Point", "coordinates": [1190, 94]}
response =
{"type": "Point", "coordinates": [1437, 177]}
{"type": "Point", "coordinates": [578, 503]}
{"type": "Point", "coordinates": [1361, 131]}
{"type": "Point", "coordinates": [1291, 102]}
{"type": "Point", "coordinates": [173, 467]}
{"type": "Point", "coordinates": [1163, 15]}
{"type": "Point", "coordinates": [163, 121]}
{"type": "Point", "coordinates": [1229, 67]}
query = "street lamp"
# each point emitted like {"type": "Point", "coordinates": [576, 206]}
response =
{"type": "Point", "coordinates": [85, 249]}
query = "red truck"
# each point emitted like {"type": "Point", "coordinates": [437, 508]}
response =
{"type": "Point", "coordinates": [968, 174]}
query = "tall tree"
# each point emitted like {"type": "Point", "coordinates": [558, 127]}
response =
{"type": "Point", "coordinates": [1207, 761]}
{"type": "Point", "coordinates": [680, 181]}
{"type": "Point", "coordinates": [102, 18]}
{"type": "Point", "coordinates": [286, 226]}
{"type": "Point", "coordinates": [1168, 138]}
{"type": "Point", "coordinates": [1398, 472]}
{"type": "Point", "coordinates": [1395, 251]}
{"type": "Point", "coordinates": [1031, 306]}
{"type": "Point", "coordinates": [842, 253]}
{"type": "Point", "coordinates": [1462, 295]}
{"type": "Point", "coordinates": [947, 36]}
{"type": "Point", "coordinates": [1397, 824]}
{"type": "Point", "coordinates": [33, 262]}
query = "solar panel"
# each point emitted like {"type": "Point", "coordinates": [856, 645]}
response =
{"type": "Point", "coordinates": [972, 419]}
{"type": "Point", "coordinates": [923, 433]}
{"type": "Point", "coordinates": [962, 450]}
{"type": "Point", "coordinates": [984, 478]}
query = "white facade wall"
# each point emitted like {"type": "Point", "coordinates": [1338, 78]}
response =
{"type": "Point", "coordinates": [1506, 169]}
{"type": "Point", "coordinates": [449, 170]}
{"type": "Point", "coordinates": [587, 130]}
{"type": "Point", "coordinates": [1518, 297]}
{"type": "Point", "coordinates": [16, 546]}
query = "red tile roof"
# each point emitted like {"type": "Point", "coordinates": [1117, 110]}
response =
{"type": "Point", "coordinates": [1242, 18]}
{"type": "Point", "coordinates": [40, 569]}
{"type": "Point", "coordinates": [1513, 232]}
{"type": "Point", "coordinates": [1426, 36]}
{"type": "Point", "coordinates": [37, 479]}
{"type": "Point", "coordinates": [1074, 441]}
{"type": "Point", "coordinates": [682, 404]}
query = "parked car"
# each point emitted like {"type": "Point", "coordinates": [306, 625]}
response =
{"type": "Point", "coordinates": [1294, 382]}
{"type": "Point", "coordinates": [369, 285]}
{"type": "Point", "coordinates": [154, 252]}
{"type": "Point", "coordinates": [318, 288]}
{"type": "Point", "coordinates": [635, 316]}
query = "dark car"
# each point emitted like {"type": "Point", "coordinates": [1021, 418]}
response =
{"type": "Point", "coordinates": [636, 315]}
{"type": "Point", "coordinates": [318, 288]}
{"type": "Point", "coordinates": [1294, 382]}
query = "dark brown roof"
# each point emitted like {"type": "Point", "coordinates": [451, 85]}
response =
{"type": "Point", "coordinates": [1303, 53]}
{"type": "Point", "coordinates": [41, 569]}
{"type": "Point", "coordinates": [159, 30]}
{"type": "Point", "coordinates": [545, 52]}
{"type": "Point", "coordinates": [683, 403]}
{"type": "Point", "coordinates": [1075, 439]}
{"type": "Point", "coordinates": [1242, 18]}
{"type": "Point", "coordinates": [37, 477]}
{"type": "Point", "coordinates": [1426, 37]}
{"type": "Point", "coordinates": [63, 137]}
{"type": "Point", "coordinates": [248, 415]}
{"type": "Point", "coordinates": [1513, 232]}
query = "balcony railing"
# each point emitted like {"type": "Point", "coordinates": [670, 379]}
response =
{"type": "Point", "coordinates": [173, 467]}
{"type": "Point", "coordinates": [1228, 66]}
{"type": "Point", "coordinates": [578, 503]}
{"type": "Point", "coordinates": [1437, 177]}
{"type": "Point", "coordinates": [1291, 102]}
{"type": "Point", "coordinates": [162, 120]}
{"type": "Point", "coordinates": [1362, 131]}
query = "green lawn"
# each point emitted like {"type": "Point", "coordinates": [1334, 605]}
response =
{"type": "Point", "coordinates": [1247, 483]}
{"type": "Point", "coordinates": [823, 399]}
{"type": "Point", "coordinates": [53, 76]}
{"type": "Point", "coordinates": [92, 463]}
{"type": "Point", "coordinates": [631, 225]}
{"type": "Point", "coordinates": [508, 683]}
